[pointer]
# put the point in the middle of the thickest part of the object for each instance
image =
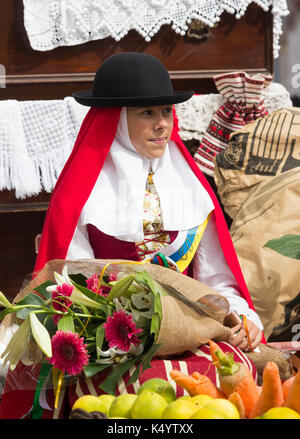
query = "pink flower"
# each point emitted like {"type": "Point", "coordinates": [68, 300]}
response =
{"type": "Point", "coordinates": [112, 277]}
{"type": "Point", "coordinates": [69, 353]}
{"type": "Point", "coordinates": [61, 299]}
{"type": "Point", "coordinates": [121, 331]}
{"type": "Point", "coordinates": [92, 284]}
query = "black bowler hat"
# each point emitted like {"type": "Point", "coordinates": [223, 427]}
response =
{"type": "Point", "coordinates": [131, 79]}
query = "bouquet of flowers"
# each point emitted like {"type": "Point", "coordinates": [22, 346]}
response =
{"type": "Point", "coordinates": [86, 324]}
{"type": "Point", "coordinates": [78, 318]}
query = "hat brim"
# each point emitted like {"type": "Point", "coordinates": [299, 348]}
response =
{"type": "Point", "coordinates": [85, 97]}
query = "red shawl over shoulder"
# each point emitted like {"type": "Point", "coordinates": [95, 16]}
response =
{"type": "Point", "coordinates": [79, 176]}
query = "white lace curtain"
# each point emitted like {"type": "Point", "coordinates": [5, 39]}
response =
{"type": "Point", "coordinates": [54, 23]}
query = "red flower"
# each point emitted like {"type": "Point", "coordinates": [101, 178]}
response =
{"type": "Point", "coordinates": [69, 353]}
{"type": "Point", "coordinates": [61, 299]}
{"type": "Point", "coordinates": [93, 282]}
{"type": "Point", "coordinates": [121, 331]}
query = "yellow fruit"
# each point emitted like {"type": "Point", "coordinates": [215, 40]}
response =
{"type": "Point", "coordinates": [148, 405]}
{"type": "Point", "coordinates": [208, 413]}
{"type": "Point", "coordinates": [280, 413]}
{"type": "Point", "coordinates": [89, 403]}
{"type": "Point", "coordinates": [223, 406]}
{"type": "Point", "coordinates": [121, 406]}
{"type": "Point", "coordinates": [161, 386]}
{"type": "Point", "coordinates": [201, 400]}
{"type": "Point", "coordinates": [186, 397]}
{"type": "Point", "coordinates": [107, 399]}
{"type": "Point", "coordinates": [179, 409]}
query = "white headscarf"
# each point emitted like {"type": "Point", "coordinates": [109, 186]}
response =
{"type": "Point", "coordinates": [115, 205]}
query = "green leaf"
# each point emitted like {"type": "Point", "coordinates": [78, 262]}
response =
{"type": "Point", "coordinates": [66, 323]}
{"type": "Point", "coordinates": [42, 289]}
{"type": "Point", "coordinates": [109, 384]}
{"type": "Point", "coordinates": [4, 302]}
{"type": "Point", "coordinates": [91, 369]}
{"type": "Point", "coordinates": [100, 336]}
{"type": "Point", "coordinates": [30, 299]}
{"type": "Point", "coordinates": [145, 363]}
{"type": "Point", "coordinates": [287, 245]}
{"type": "Point", "coordinates": [135, 375]}
{"type": "Point", "coordinates": [158, 306]}
{"type": "Point", "coordinates": [145, 279]}
{"type": "Point", "coordinates": [120, 288]}
{"type": "Point", "coordinates": [79, 278]}
{"type": "Point", "coordinates": [155, 325]}
{"type": "Point", "coordinates": [41, 335]}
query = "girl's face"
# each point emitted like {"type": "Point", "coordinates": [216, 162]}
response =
{"type": "Point", "coordinates": [150, 129]}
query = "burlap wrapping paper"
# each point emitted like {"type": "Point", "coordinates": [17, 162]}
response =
{"type": "Point", "coordinates": [257, 152]}
{"type": "Point", "coordinates": [270, 211]}
{"type": "Point", "coordinates": [181, 329]}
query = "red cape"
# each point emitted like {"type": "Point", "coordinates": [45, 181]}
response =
{"type": "Point", "coordinates": [79, 176]}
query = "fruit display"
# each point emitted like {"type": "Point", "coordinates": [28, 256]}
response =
{"type": "Point", "coordinates": [237, 397]}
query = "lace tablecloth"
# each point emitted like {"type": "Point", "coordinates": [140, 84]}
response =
{"type": "Point", "coordinates": [36, 137]}
{"type": "Point", "coordinates": [54, 23]}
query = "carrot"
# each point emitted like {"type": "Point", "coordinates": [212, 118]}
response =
{"type": "Point", "coordinates": [286, 385]}
{"type": "Point", "coordinates": [213, 347]}
{"type": "Point", "coordinates": [220, 393]}
{"type": "Point", "coordinates": [236, 377]}
{"type": "Point", "coordinates": [293, 397]}
{"type": "Point", "coordinates": [271, 394]}
{"type": "Point", "coordinates": [236, 399]}
{"type": "Point", "coordinates": [195, 385]}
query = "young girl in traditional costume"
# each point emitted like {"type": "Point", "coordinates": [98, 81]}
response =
{"type": "Point", "coordinates": [130, 189]}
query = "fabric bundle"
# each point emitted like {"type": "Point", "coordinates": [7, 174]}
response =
{"type": "Point", "coordinates": [36, 138]}
{"type": "Point", "coordinates": [244, 103]}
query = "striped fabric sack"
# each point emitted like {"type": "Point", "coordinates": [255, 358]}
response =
{"type": "Point", "coordinates": [243, 103]}
{"type": "Point", "coordinates": [23, 398]}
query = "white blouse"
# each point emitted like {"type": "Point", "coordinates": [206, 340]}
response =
{"type": "Point", "coordinates": [209, 263]}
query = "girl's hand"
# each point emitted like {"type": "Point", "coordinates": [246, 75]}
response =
{"type": "Point", "coordinates": [239, 336]}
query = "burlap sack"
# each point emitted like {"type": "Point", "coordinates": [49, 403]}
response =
{"type": "Point", "coordinates": [270, 211]}
{"type": "Point", "coordinates": [257, 152]}
{"type": "Point", "coordinates": [182, 328]}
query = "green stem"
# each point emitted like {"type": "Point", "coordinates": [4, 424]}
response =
{"type": "Point", "coordinates": [227, 365]}
{"type": "Point", "coordinates": [17, 307]}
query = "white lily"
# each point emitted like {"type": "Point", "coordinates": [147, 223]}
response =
{"type": "Point", "coordinates": [117, 355]}
{"type": "Point", "coordinates": [32, 355]}
{"type": "Point", "coordinates": [18, 345]}
{"type": "Point", "coordinates": [77, 296]}
{"type": "Point", "coordinates": [143, 300]}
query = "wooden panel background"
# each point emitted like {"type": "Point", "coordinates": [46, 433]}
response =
{"type": "Point", "coordinates": [244, 44]}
